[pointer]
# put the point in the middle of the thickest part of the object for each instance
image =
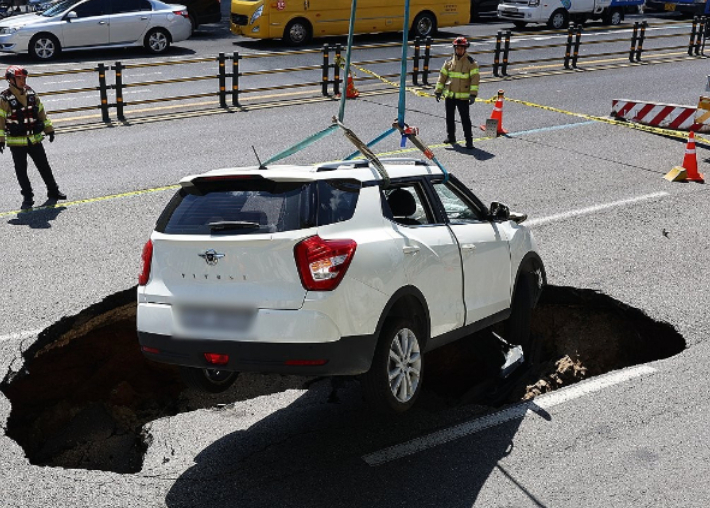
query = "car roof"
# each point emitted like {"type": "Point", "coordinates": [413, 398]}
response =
{"type": "Point", "coordinates": [360, 170]}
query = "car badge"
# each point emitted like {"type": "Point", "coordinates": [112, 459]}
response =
{"type": "Point", "coordinates": [211, 256]}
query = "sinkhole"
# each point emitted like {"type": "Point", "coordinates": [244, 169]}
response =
{"type": "Point", "coordinates": [86, 391]}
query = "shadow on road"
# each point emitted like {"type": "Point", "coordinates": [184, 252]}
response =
{"type": "Point", "coordinates": [39, 217]}
{"type": "Point", "coordinates": [311, 455]}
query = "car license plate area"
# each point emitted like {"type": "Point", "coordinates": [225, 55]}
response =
{"type": "Point", "coordinates": [669, 7]}
{"type": "Point", "coordinates": [216, 318]}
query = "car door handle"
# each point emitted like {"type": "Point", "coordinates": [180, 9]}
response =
{"type": "Point", "coordinates": [410, 249]}
{"type": "Point", "coordinates": [143, 18]}
{"type": "Point", "coordinates": [102, 22]}
{"type": "Point", "coordinates": [468, 246]}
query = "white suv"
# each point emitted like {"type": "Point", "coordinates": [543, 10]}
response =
{"type": "Point", "coordinates": [330, 270]}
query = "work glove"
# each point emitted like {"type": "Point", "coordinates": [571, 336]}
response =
{"type": "Point", "coordinates": [2, 146]}
{"type": "Point", "coordinates": [51, 137]}
{"type": "Point", "coordinates": [471, 100]}
{"type": "Point", "coordinates": [438, 96]}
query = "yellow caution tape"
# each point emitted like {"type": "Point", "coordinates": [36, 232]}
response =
{"type": "Point", "coordinates": [416, 91]}
{"type": "Point", "coordinates": [611, 121]}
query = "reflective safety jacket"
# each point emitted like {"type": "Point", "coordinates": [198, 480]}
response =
{"type": "Point", "coordinates": [460, 77]}
{"type": "Point", "coordinates": [23, 120]}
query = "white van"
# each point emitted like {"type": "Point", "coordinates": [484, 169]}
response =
{"type": "Point", "coordinates": [555, 13]}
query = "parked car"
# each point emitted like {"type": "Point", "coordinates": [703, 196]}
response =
{"type": "Point", "coordinates": [84, 24]}
{"type": "Point", "coordinates": [479, 7]}
{"type": "Point", "coordinates": [329, 270]}
{"type": "Point", "coordinates": [203, 11]}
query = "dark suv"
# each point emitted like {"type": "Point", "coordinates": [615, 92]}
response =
{"type": "Point", "coordinates": [203, 11]}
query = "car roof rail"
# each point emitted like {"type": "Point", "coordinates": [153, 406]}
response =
{"type": "Point", "coordinates": [331, 166]}
{"type": "Point", "coordinates": [363, 163]}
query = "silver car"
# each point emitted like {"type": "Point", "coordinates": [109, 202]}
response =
{"type": "Point", "coordinates": [93, 24]}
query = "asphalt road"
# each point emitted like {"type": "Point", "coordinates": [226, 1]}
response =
{"type": "Point", "coordinates": [598, 206]}
{"type": "Point", "coordinates": [272, 72]}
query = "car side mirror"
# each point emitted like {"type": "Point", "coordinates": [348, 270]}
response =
{"type": "Point", "coordinates": [499, 212]}
{"type": "Point", "coordinates": [71, 15]}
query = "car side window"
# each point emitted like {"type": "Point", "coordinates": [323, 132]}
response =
{"type": "Point", "coordinates": [119, 7]}
{"type": "Point", "coordinates": [92, 8]}
{"type": "Point", "coordinates": [407, 205]}
{"type": "Point", "coordinates": [457, 208]}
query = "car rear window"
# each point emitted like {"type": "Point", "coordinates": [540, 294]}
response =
{"type": "Point", "coordinates": [257, 206]}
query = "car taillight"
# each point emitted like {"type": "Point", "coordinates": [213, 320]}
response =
{"type": "Point", "coordinates": [323, 263]}
{"type": "Point", "coordinates": [184, 14]}
{"type": "Point", "coordinates": [147, 257]}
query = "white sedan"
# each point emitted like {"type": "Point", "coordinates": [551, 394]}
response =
{"type": "Point", "coordinates": [95, 24]}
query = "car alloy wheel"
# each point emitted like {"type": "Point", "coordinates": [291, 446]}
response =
{"type": "Point", "coordinates": [394, 380]}
{"type": "Point", "coordinates": [158, 42]}
{"type": "Point", "coordinates": [404, 366]}
{"type": "Point", "coordinates": [44, 48]}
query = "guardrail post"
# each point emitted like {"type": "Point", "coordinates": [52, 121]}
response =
{"type": "Point", "coordinates": [235, 78]}
{"type": "Point", "coordinates": [698, 37]}
{"type": "Point", "coordinates": [103, 94]}
{"type": "Point", "coordinates": [705, 36]}
{"type": "Point", "coordinates": [336, 69]}
{"type": "Point", "coordinates": [568, 49]}
{"type": "Point", "coordinates": [496, 57]}
{"type": "Point", "coordinates": [577, 41]}
{"type": "Point", "coordinates": [642, 36]}
{"type": "Point", "coordinates": [222, 81]}
{"type": "Point", "coordinates": [691, 44]}
{"type": "Point", "coordinates": [119, 91]}
{"type": "Point", "coordinates": [415, 63]}
{"type": "Point", "coordinates": [427, 57]}
{"type": "Point", "coordinates": [634, 37]}
{"type": "Point", "coordinates": [325, 70]}
{"type": "Point", "coordinates": [506, 52]}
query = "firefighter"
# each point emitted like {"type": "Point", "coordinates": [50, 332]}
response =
{"type": "Point", "coordinates": [458, 81]}
{"type": "Point", "coordinates": [23, 125]}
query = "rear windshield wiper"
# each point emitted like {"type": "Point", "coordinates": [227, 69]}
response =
{"type": "Point", "coordinates": [225, 225]}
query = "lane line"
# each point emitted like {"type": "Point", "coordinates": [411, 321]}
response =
{"type": "Point", "coordinates": [592, 209]}
{"type": "Point", "coordinates": [92, 200]}
{"type": "Point", "coordinates": [515, 412]}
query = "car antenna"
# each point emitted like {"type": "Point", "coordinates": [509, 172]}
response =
{"type": "Point", "coordinates": [261, 166]}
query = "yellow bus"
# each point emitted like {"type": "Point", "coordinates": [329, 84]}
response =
{"type": "Point", "coordinates": [297, 21]}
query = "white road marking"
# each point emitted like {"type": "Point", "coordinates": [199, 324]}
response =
{"type": "Point", "coordinates": [593, 209]}
{"type": "Point", "coordinates": [517, 411]}
{"type": "Point", "coordinates": [64, 81]}
{"type": "Point", "coordinates": [19, 335]}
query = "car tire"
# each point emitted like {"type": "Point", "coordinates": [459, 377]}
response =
{"type": "Point", "coordinates": [208, 380]}
{"type": "Point", "coordinates": [517, 327]}
{"type": "Point", "coordinates": [614, 17]}
{"type": "Point", "coordinates": [44, 47]}
{"type": "Point", "coordinates": [157, 41]}
{"type": "Point", "coordinates": [558, 20]}
{"type": "Point", "coordinates": [424, 25]}
{"type": "Point", "coordinates": [193, 23]}
{"type": "Point", "coordinates": [394, 380]}
{"type": "Point", "coordinates": [298, 32]}
{"type": "Point", "coordinates": [520, 24]}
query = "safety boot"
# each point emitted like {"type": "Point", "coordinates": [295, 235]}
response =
{"type": "Point", "coordinates": [450, 140]}
{"type": "Point", "coordinates": [469, 143]}
{"type": "Point", "coordinates": [27, 203]}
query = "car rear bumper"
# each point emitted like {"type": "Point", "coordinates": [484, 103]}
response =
{"type": "Point", "coordinates": [346, 356]}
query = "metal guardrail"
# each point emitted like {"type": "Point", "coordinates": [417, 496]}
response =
{"type": "Point", "coordinates": [228, 75]}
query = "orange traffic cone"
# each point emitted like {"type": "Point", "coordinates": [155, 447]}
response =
{"type": "Point", "coordinates": [498, 114]}
{"type": "Point", "coordinates": [351, 92]}
{"type": "Point", "coordinates": [690, 161]}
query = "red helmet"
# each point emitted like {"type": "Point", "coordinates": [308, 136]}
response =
{"type": "Point", "coordinates": [461, 41]}
{"type": "Point", "coordinates": [15, 71]}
